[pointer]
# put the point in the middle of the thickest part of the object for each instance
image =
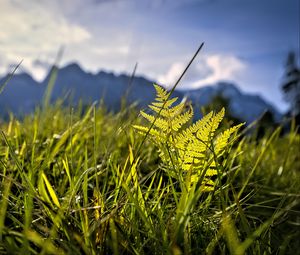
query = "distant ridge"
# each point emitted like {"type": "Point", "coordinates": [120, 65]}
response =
{"type": "Point", "coordinates": [243, 106]}
{"type": "Point", "coordinates": [23, 93]}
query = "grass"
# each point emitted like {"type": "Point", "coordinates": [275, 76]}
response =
{"type": "Point", "coordinates": [73, 181]}
{"type": "Point", "coordinates": [83, 181]}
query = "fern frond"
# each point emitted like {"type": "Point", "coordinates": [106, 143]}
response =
{"type": "Point", "coordinates": [161, 94]}
{"type": "Point", "coordinates": [200, 123]}
{"type": "Point", "coordinates": [181, 119]}
{"type": "Point", "coordinates": [159, 136]}
{"type": "Point", "coordinates": [167, 112]}
{"type": "Point", "coordinates": [207, 132]}
{"type": "Point", "coordinates": [222, 139]}
{"type": "Point", "coordinates": [188, 134]}
{"type": "Point", "coordinates": [211, 172]}
{"type": "Point", "coordinates": [177, 109]}
{"type": "Point", "coordinates": [157, 122]}
{"type": "Point", "coordinates": [190, 150]}
{"type": "Point", "coordinates": [165, 104]}
{"type": "Point", "coordinates": [207, 185]}
{"type": "Point", "coordinates": [216, 120]}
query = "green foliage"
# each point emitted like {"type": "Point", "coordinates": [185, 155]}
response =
{"type": "Point", "coordinates": [74, 181]}
{"type": "Point", "coordinates": [191, 150]}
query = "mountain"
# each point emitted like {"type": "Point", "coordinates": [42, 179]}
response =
{"type": "Point", "coordinates": [22, 94]}
{"type": "Point", "coordinates": [243, 106]}
{"type": "Point", "coordinates": [110, 88]}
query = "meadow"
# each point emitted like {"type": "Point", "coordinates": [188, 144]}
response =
{"type": "Point", "coordinates": [87, 181]}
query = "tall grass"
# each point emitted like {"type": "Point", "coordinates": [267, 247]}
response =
{"type": "Point", "coordinates": [73, 182]}
{"type": "Point", "coordinates": [82, 181]}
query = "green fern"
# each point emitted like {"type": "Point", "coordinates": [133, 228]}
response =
{"type": "Point", "coordinates": [189, 151]}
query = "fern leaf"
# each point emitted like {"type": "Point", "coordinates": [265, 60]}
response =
{"type": "Point", "coordinates": [211, 172]}
{"type": "Point", "coordinates": [164, 104]}
{"type": "Point", "coordinates": [181, 119]}
{"type": "Point", "coordinates": [207, 132]}
{"type": "Point", "coordinates": [158, 122]}
{"type": "Point", "coordinates": [188, 134]}
{"type": "Point", "coordinates": [186, 150]}
{"type": "Point", "coordinates": [216, 120]}
{"type": "Point", "coordinates": [222, 139]}
{"type": "Point", "coordinates": [207, 185]}
{"type": "Point", "coordinates": [177, 109]}
{"type": "Point", "coordinates": [160, 136]}
{"type": "Point", "coordinates": [161, 94]}
{"type": "Point", "coordinates": [167, 112]}
{"type": "Point", "coordinates": [200, 123]}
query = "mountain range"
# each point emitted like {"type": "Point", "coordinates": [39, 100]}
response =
{"type": "Point", "coordinates": [22, 93]}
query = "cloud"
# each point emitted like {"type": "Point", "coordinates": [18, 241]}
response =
{"type": "Point", "coordinates": [171, 3]}
{"type": "Point", "coordinates": [211, 69]}
{"type": "Point", "coordinates": [223, 68]}
{"type": "Point", "coordinates": [35, 30]}
{"type": "Point", "coordinates": [109, 51]}
{"type": "Point", "coordinates": [43, 23]}
{"type": "Point", "coordinates": [160, 35]}
{"type": "Point", "coordinates": [172, 75]}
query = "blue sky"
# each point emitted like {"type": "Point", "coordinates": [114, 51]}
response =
{"type": "Point", "coordinates": [246, 42]}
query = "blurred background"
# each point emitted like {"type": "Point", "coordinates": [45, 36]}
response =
{"type": "Point", "coordinates": [246, 44]}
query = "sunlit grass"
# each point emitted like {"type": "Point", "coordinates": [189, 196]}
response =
{"type": "Point", "coordinates": [83, 181]}
{"type": "Point", "coordinates": [72, 181]}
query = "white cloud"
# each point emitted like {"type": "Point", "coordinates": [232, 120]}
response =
{"type": "Point", "coordinates": [172, 75]}
{"type": "Point", "coordinates": [34, 30]}
{"type": "Point", "coordinates": [115, 34]}
{"type": "Point", "coordinates": [108, 35]}
{"type": "Point", "coordinates": [109, 51]}
{"type": "Point", "coordinates": [171, 3]}
{"type": "Point", "coordinates": [209, 70]}
{"type": "Point", "coordinates": [223, 68]}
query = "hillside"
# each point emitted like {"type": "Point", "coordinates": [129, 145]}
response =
{"type": "Point", "coordinates": [23, 93]}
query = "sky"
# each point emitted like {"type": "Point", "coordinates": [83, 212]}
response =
{"type": "Point", "coordinates": [246, 42]}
